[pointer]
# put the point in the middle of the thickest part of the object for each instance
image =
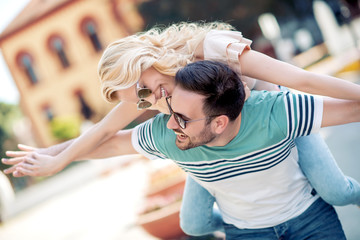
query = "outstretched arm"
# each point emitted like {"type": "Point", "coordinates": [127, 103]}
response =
{"type": "Point", "coordinates": [338, 111]}
{"type": "Point", "coordinates": [34, 164]}
{"type": "Point", "coordinates": [59, 156]}
{"type": "Point", "coordinates": [260, 66]}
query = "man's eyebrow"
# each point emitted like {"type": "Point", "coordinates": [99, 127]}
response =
{"type": "Point", "coordinates": [183, 116]}
{"type": "Point", "coordinates": [180, 114]}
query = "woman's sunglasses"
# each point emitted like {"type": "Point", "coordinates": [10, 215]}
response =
{"type": "Point", "coordinates": [141, 94]}
{"type": "Point", "coordinates": [179, 120]}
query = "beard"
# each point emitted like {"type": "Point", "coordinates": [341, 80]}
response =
{"type": "Point", "coordinates": [205, 137]}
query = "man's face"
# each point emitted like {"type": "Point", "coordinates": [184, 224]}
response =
{"type": "Point", "coordinates": [188, 106]}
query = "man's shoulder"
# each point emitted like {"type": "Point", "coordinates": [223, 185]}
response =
{"type": "Point", "coordinates": [158, 127]}
{"type": "Point", "coordinates": [161, 119]}
{"type": "Point", "coordinates": [264, 97]}
{"type": "Point", "coordinates": [263, 106]}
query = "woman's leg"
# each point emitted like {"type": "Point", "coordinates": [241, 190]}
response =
{"type": "Point", "coordinates": [198, 216]}
{"type": "Point", "coordinates": [319, 166]}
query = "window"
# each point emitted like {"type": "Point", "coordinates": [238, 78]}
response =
{"type": "Point", "coordinates": [85, 108]}
{"type": "Point", "coordinates": [48, 112]}
{"type": "Point", "coordinates": [56, 45]}
{"type": "Point", "coordinates": [89, 28]}
{"type": "Point", "coordinates": [26, 63]}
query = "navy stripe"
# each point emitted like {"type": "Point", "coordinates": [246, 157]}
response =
{"type": "Point", "coordinates": [256, 165]}
{"type": "Point", "coordinates": [146, 142]}
{"type": "Point", "coordinates": [312, 115]}
{"type": "Point", "coordinates": [242, 167]}
{"type": "Point", "coordinates": [247, 172]}
{"type": "Point", "coordinates": [289, 114]}
{"type": "Point", "coordinates": [300, 117]}
{"type": "Point", "coordinates": [217, 162]}
{"type": "Point", "coordinates": [306, 116]}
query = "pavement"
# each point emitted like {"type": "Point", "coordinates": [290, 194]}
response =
{"type": "Point", "coordinates": [103, 206]}
{"type": "Point", "coordinates": [344, 143]}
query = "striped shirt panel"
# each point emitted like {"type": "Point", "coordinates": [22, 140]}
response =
{"type": "Point", "coordinates": [297, 111]}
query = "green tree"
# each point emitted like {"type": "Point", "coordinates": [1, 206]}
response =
{"type": "Point", "coordinates": [9, 114]}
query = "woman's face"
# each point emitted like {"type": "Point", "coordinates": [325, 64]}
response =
{"type": "Point", "coordinates": [160, 85]}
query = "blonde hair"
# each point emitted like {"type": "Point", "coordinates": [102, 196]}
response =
{"type": "Point", "coordinates": [165, 49]}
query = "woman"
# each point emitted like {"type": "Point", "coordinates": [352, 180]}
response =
{"type": "Point", "coordinates": [140, 69]}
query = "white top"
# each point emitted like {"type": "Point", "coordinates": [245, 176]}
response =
{"type": "Point", "coordinates": [226, 47]}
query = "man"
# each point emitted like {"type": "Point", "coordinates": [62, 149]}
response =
{"type": "Point", "coordinates": [244, 157]}
{"type": "Point", "coordinates": [246, 160]}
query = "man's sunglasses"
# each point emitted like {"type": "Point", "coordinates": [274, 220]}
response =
{"type": "Point", "coordinates": [141, 94]}
{"type": "Point", "coordinates": [179, 120]}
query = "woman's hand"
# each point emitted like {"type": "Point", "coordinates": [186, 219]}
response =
{"type": "Point", "coordinates": [30, 162]}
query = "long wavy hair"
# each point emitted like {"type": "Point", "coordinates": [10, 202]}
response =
{"type": "Point", "coordinates": [167, 49]}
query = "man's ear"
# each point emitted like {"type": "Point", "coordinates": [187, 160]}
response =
{"type": "Point", "coordinates": [220, 123]}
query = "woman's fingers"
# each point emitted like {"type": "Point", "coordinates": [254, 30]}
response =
{"type": "Point", "coordinates": [27, 164]}
{"type": "Point", "coordinates": [12, 161]}
{"type": "Point", "coordinates": [16, 153]}
{"type": "Point", "coordinates": [10, 170]}
{"type": "Point", "coordinates": [23, 171]}
{"type": "Point", "coordinates": [24, 151]}
{"type": "Point", "coordinates": [32, 164]}
{"type": "Point", "coordinates": [18, 174]}
{"type": "Point", "coordinates": [26, 148]}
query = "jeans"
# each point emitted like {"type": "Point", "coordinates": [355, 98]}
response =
{"type": "Point", "coordinates": [198, 216]}
{"type": "Point", "coordinates": [323, 173]}
{"type": "Point", "coordinates": [318, 222]}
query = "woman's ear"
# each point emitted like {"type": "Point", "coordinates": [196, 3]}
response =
{"type": "Point", "coordinates": [220, 123]}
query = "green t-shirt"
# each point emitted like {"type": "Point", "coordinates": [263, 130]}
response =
{"type": "Point", "coordinates": [255, 178]}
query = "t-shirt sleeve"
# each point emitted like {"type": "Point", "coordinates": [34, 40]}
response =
{"type": "Point", "coordinates": [301, 114]}
{"type": "Point", "coordinates": [146, 136]}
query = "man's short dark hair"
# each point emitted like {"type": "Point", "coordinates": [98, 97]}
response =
{"type": "Point", "coordinates": [222, 87]}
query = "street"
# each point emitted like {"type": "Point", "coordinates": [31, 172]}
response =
{"type": "Point", "coordinates": [104, 207]}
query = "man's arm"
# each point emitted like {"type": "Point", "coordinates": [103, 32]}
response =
{"type": "Point", "coordinates": [119, 144]}
{"type": "Point", "coordinates": [338, 111]}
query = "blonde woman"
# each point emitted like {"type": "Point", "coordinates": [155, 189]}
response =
{"type": "Point", "coordinates": [139, 71]}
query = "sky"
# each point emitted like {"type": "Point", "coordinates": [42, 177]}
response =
{"type": "Point", "coordinates": [8, 91]}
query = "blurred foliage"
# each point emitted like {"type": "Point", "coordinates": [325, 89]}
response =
{"type": "Point", "coordinates": [8, 115]}
{"type": "Point", "coordinates": [65, 127]}
{"type": "Point", "coordinates": [242, 14]}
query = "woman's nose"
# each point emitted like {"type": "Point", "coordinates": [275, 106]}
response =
{"type": "Point", "coordinates": [151, 98]}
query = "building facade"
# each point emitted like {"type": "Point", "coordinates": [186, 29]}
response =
{"type": "Point", "coordinates": [52, 49]}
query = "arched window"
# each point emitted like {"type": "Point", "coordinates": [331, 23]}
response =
{"type": "Point", "coordinates": [85, 108]}
{"type": "Point", "coordinates": [57, 46]}
{"type": "Point", "coordinates": [89, 28]}
{"type": "Point", "coordinates": [26, 64]}
{"type": "Point", "coordinates": [48, 112]}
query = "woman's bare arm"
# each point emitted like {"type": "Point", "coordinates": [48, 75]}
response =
{"type": "Point", "coordinates": [70, 151]}
{"type": "Point", "coordinates": [261, 66]}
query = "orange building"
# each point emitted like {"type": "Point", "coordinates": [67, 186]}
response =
{"type": "Point", "coordinates": [52, 49]}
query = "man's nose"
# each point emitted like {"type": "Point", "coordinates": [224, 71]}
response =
{"type": "Point", "coordinates": [171, 124]}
